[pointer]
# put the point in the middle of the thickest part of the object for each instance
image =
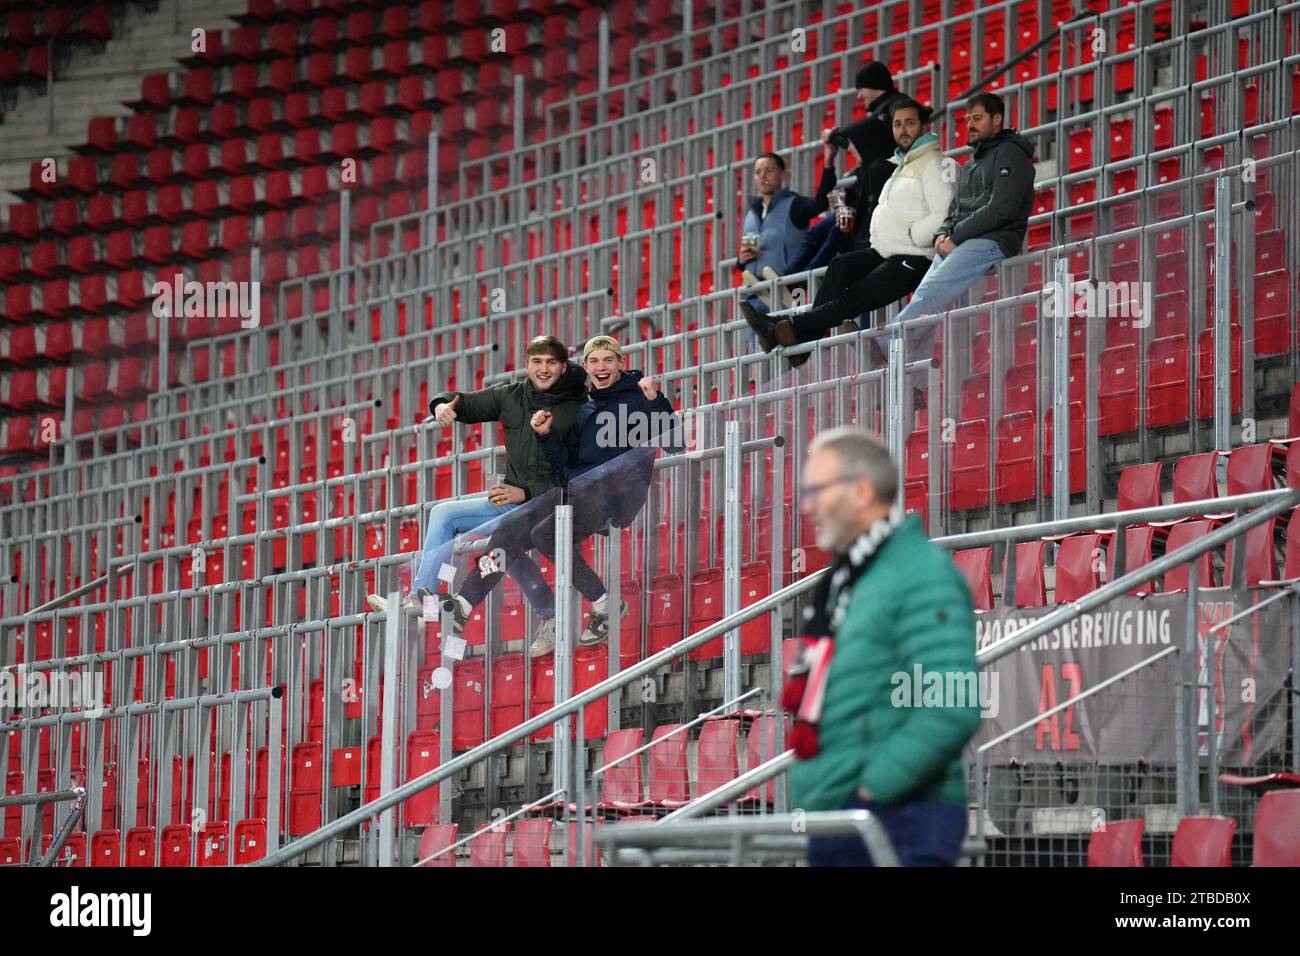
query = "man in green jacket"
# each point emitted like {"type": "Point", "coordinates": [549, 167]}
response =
{"type": "Point", "coordinates": [899, 702]}
{"type": "Point", "coordinates": [554, 385]}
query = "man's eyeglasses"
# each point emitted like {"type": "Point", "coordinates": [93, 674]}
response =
{"type": "Point", "coordinates": [810, 491]}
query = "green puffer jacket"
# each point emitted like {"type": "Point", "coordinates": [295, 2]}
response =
{"type": "Point", "coordinates": [911, 607]}
{"type": "Point", "coordinates": [513, 406]}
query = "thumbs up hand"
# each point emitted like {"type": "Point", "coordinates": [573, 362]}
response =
{"type": "Point", "coordinates": [648, 388]}
{"type": "Point", "coordinates": [445, 412]}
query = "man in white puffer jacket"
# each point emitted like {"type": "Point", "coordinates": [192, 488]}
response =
{"type": "Point", "coordinates": [912, 205]}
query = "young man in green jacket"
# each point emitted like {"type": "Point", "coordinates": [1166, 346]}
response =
{"type": "Point", "coordinates": [902, 624]}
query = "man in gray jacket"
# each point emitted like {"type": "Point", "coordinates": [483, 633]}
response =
{"type": "Point", "coordinates": [986, 222]}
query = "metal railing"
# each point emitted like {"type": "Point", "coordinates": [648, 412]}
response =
{"type": "Point", "coordinates": [732, 841]}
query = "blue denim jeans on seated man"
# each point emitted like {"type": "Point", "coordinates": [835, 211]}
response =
{"type": "Point", "coordinates": [446, 520]}
{"type": "Point", "coordinates": [946, 279]}
{"type": "Point", "coordinates": [923, 832]}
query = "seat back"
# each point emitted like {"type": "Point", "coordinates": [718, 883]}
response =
{"type": "Point", "coordinates": [532, 844]}
{"type": "Point", "coordinates": [437, 837]}
{"type": "Point", "coordinates": [975, 564]}
{"type": "Point", "coordinates": [1277, 829]}
{"type": "Point", "coordinates": [1203, 841]}
{"type": "Point", "coordinates": [1118, 843]}
{"type": "Point", "coordinates": [488, 848]}
{"type": "Point", "coordinates": [1139, 486]}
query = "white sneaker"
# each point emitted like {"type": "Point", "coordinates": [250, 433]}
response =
{"type": "Point", "coordinates": [410, 604]}
{"type": "Point", "coordinates": [772, 275]}
{"type": "Point", "coordinates": [544, 639]}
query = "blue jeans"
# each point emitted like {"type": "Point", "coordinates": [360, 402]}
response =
{"type": "Point", "coordinates": [923, 832]}
{"type": "Point", "coordinates": [947, 278]}
{"type": "Point", "coordinates": [446, 520]}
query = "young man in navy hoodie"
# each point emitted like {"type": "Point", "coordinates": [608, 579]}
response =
{"type": "Point", "coordinates": [606, 461]}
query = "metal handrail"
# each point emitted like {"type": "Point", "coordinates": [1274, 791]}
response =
{"type": "Point", "coordinates": [526, 808]}
{"type": "Point", "coordinates": [51, 796]}
{"type": "Point", "coordinates": [1053, 34]}
{"type": "Point", "coordinates": [1279, 501]}
{"type": "Point", "coordinates": [730, 832]}
{"type": "Point", "coordinates": [543, 720]}
{"type": "Point", "coordinates": [759, 691]}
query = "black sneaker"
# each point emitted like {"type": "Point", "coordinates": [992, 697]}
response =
{"type": "Point", "coordinates": [787, 336]}
{"type": "Point", "coordinates": [761, 325]}
{"type": "Point", "coordinates": [459, 609]}
{"type": "Point", "coordinates": [597, 630]}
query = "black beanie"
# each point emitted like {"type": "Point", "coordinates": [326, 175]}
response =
{"type": "Point", "coordinates": [874, 76]}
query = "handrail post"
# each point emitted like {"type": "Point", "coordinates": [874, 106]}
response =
{"type": "Point", "coordinates": [1185, 705]}
{"type": "Point", "coordinates": [896, 379]}
{"type": "Point", "coordinates": [388, 736]}
{"type": "Point", "coordinates": [602, 71]}
{"type": "Point", "coordinates": [561, 771]}
{"type": "Point", "coordinates": [1061, 392]}
{"type": "Point", "coordinates": [1222, 315]}
{"type": "Point", "coordinates": [731, 560]}
{"type": "Point", "coordinates": [430, 218]}
{"type": "Point", "coordinates": [49, 83]}
{"type": "Point", "coordinates": [274, 745]}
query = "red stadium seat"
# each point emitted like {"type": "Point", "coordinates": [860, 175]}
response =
{"type": "Point", "coordinates": [620, 787]}
{"type": "Point", "coordinates": [717, 760]}
{"type": "Point", "coordinates": [488, 848]}
{"type": "Point", "coordinates": [532, 842]}
{"type": "Point", "coordinates": [1181, 534]}
{"type": "Point", "coordinates": [438, 837]}
{"type": "Point", "coordinates": [669, 782]}
{"type": "Point", "coordinates": [1195, 478]}
{"type": "Point", "coordinates": [1139, 487]}
{"type": "Point", "coordinates": [1203, 841]}
{"type": "Point", "coordinates": [1031, 587]}
{"type": "Point", "coordinates": [975, 565]}
{"type": "Point", "coordinates": [1261, 561]}
{"type": "Point", "coordinates": [1277, 829]}
{"type": "Point", "coordinates": [1250, 468]}
{"type": "Point", "coordinates": [1118, 843]}
{"type": "Point", "coordinates": [1078, 567]}
{"type": "Point", "coordinates": [1138, 541]}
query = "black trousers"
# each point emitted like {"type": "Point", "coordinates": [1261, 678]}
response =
{"type": "Point", "coordinates": [858, 282]}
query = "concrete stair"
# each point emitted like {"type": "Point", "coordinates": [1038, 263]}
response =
{"type": "Point", "coordinates": [99, 83]}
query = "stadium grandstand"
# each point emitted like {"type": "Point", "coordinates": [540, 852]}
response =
{"type": "Point", "coordinates": [250, 248]}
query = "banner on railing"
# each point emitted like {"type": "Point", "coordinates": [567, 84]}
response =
{"type": "Point", "coordinates": [1134, 719]}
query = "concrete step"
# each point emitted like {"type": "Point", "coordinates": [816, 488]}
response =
{"type": "Point", "coordinates": [98, 83]}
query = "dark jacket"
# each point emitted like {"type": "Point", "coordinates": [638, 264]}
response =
{"type": "Point", "coordinates": [863, 196]}
{"type": "Point", "coordinates": [995, 194]}
{"type": "Point", "coordinates": [513, 406]}
{"type": "Point", "coordinates": [610, 450]}
{"type": "Point", "coordinates": [910, 609]}
{"type": "Point", "coordinates": [873, 135]}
